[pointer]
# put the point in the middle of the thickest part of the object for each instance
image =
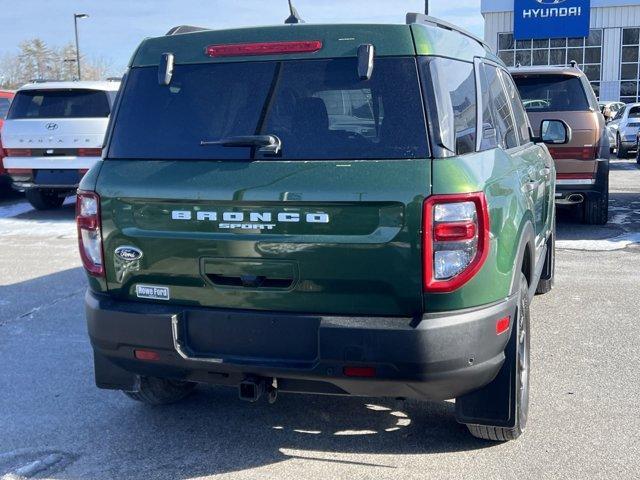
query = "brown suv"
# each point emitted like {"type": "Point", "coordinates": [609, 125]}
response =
{"type": "Point", "coordinates": [582, 165]}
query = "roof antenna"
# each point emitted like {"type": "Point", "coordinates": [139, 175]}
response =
{"type": "Point", "coordinates": [294, 17]}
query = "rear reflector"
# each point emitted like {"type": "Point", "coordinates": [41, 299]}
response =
{"type": "Point", "coordinates": [365, 372]}
{"type": "Point", "coordinates": [263, 48]}
{"type": "Point", "coordinates": [18, 152]}
{"type": "Point", "coordinates": [502, 325]}
{"type": "Point", "coordinates": [89, 152]}
{"type": "Point", "coordinates": [147, 355]}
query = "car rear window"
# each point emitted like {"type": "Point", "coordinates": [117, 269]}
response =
{"type": "Point", "coordinates": [71, 103]}
{"type": "Point", "coordinates": [320, 109]}
{"type": "Point", "coordinates": [552, 93]}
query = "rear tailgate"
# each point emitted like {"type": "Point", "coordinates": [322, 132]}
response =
{"type": "Point", "coordinates": [355, 247]}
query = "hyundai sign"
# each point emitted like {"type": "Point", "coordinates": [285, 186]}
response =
{"type": "Point", "coordinates": [551, 18]}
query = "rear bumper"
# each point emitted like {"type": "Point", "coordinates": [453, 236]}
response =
{"type": "Point", "coordinates": [436, 356]}
{"type": "Point", "coordinates": [591, 189]}
{"type": "Point", "coordinates": [61, 173]}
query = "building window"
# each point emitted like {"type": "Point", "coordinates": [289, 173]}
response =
{"type": "Point", "coordinates": [629, 61]}
{"type": "Point", "coordinates": [587, 52]}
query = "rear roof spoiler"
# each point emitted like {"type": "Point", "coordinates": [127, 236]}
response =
{"type": "Point", "coordinates": [180, 29]}
{"type": "Point", "coordinates": [423, 19]}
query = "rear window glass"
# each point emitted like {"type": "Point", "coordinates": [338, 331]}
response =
{"type": "Point", "coordinates": [60, 104]}
{"type": "Point", "coordinates": [552, 93]}
{"type": "Point", "coordinates": [319, 109]}
{"type": "Point", "coordinates": [634, 112]}
{"type": "Point", "coordinates": [4, 107]}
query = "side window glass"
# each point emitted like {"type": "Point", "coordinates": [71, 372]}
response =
{"type": "Point", "coordinates": [455, 86]}
{"type": "Point", "coordinates": [489, 133]}
{"type": "Point", "coordinates": [620, 113]}
{"type": "Point", "coordinates": [522, 121]}
{"type": "Point", "coordinates": [507, 135]}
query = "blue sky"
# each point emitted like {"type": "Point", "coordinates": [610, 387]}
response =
{"type": "Point", "coordinates": [115, 27]}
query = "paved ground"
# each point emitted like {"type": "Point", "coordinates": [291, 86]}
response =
{"type": "Point", "coordinates": [584, 419]}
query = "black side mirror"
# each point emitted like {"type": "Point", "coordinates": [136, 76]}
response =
{"type": "Point", "coordinates": [554, 132]}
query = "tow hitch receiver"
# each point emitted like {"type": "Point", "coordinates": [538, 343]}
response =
{"type": "Point", "coordinates": [251, 389]}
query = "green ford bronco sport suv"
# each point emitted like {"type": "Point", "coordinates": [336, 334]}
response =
{"type": "Point", "coordinates": [331, 209]}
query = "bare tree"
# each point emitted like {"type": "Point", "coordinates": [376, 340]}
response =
{"type": "Point", "coordinates": [36, 60]}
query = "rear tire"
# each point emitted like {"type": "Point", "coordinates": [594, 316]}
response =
{"type": "Point", "coordinates": [160, 391]}
{"type": "Point", "coordinates": [44, 199]}
{"type": "Point", "coordinates": [621, 151]}
{"type": "Point", "coordinates": [518, 359]}
{"type": "Point", "coordinates": [596, 210]}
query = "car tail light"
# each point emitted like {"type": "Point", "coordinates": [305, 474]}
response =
{"type": "Point", "coordinates": [20, 172]}
{"type": "Point", "coordinates": [89, 152]}
{"type": "Point", "coordinates": [89, 232]}
{"type": "Point", "coordinates": [18, 152]}
{"type": "Point", "coordinates": [574, 153]}
{"type": "Point", "coordinates": [263, 48]}
{"type": "Point", "coordinates": [455, 240]}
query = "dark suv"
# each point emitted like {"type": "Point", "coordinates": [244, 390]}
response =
{"type": "Point", "coordinates": [335, 209]}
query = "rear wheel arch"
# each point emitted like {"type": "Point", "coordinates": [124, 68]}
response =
{"type": "Point", "coordinates": [525, 257]}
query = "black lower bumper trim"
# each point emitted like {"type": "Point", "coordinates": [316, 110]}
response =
{"type": "Point", "coordinates": [436, 356]}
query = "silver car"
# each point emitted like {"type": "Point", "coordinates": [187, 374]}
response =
{"type": "Point", "coordinates": [624, 127]}
{"type": "Point", "coordinates": [53, 134]}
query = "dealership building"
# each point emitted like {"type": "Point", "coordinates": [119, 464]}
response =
{"type": "Point", "coordinates": [602, 36]}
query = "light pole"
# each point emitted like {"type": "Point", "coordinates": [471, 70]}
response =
{"type": "Point", "coordinates": [426, 7]}
{"type": "Point", "coordinates": [76, 16]}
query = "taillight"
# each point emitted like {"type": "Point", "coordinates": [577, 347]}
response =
{"type": "Point", "coordinates": [89, 232]}
{"type": "Point", "coordinates": [455, 239]}
{"type": "Point", "coordinates": [263, 48]}
{"type": "Point", "coordinates": [18, 152]}
{"type": "Point", "coordinates": [574, 153]}
{"type": "Point", "coordinates": [20, 172]}
{"type": "Point", "coordinates": [89, 152]}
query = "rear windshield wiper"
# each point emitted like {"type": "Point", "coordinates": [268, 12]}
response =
{"type": "Point", "coordinates": [267, 143]}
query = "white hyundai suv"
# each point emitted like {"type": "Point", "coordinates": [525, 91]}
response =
{"type": "Point", "coordinates": [53, 134]}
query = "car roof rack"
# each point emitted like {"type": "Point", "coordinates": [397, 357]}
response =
{"type": "Point", "coordinates": [436, 22]}
{"type": "Point", "coordinates": [180, 29]}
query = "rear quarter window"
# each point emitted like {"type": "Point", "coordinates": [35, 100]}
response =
{"type": "Point", "coordinates": [71, 103]}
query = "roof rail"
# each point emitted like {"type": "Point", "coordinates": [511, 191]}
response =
{"type": "Point", "coordinates": [436, 22]}
{"type": "Point", "coordinates": [180, 29]}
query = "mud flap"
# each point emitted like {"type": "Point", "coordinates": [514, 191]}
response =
{"type": "Point", "coordinates": [111, 377]}
{"type": "Point", "coordinates": [495, 404]}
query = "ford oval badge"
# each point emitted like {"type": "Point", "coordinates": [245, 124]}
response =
{"type": "Point", "coordinates": [128, 253]}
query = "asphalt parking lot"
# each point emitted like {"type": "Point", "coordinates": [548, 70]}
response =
{"type": "Point", "coordinates": [584, 420]}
